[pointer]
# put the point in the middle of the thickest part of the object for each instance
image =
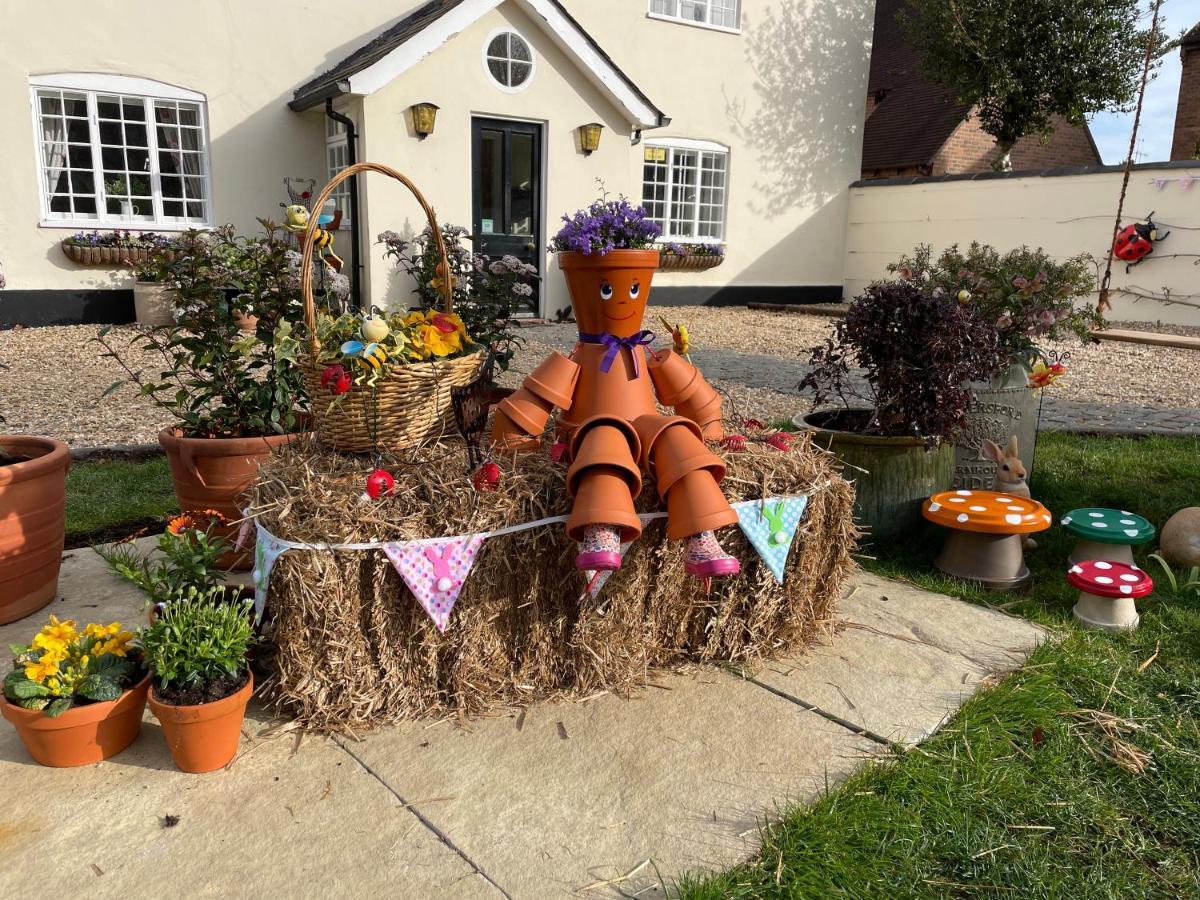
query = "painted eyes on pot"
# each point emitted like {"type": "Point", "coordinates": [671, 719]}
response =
{"type": "Point", "coordinates": [634, 290]}
{"type": "Point", "coordinates": [606, 291]}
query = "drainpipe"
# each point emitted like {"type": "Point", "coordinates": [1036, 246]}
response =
{"type": "Point", "coordinates": [351, 159]}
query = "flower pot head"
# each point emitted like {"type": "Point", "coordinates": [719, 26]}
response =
{"type": "Point", "coordinates": [609, 291]}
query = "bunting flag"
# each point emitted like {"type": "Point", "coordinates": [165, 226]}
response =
{"type": "Point", "coordinates": [596, 580]}
{"type": "Point", "coordinates": [1187, 181]}
{"type": "Point", "coordinates": [435, 571]}
{"type": "Point", "coordinates": [1160, 183]}
{"type": "Point", "coordinates": [266, 551]}
{"type": "Point", "coordinates": [770, 525]}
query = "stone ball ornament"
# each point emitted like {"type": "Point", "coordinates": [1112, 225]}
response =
{"type": "Point", "coordinates": [1179, 543]}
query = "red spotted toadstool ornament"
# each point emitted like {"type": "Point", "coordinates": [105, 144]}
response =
{"type": "Point", "coordinates": [379, 484]}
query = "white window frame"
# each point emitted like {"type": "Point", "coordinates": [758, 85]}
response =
{"type": "Point", "coordinates": [483, 58]}
{"type": "Point", "coordinates": [338, 140]}
{"type": "Point", "coordinates": [688, 144]}
{"type": "Point", "coordinates": [679, 18]}
{"type": "Point", "coordinates": [92, 84]}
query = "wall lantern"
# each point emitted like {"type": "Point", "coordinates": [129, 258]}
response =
{"type": "Point", "coordinates": [589, 137]}
{"type": "Point", "coordinates": [424, 116]}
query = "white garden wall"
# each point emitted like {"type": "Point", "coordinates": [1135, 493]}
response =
{"type": "Point", "coordinates": [1064, 214]}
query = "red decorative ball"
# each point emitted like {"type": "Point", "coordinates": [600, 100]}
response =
{"type": "Point", "coordinates": [379, 484]}
{"type": "Point", "coordinates": [560, 452]}
{"type": "Point", "coordinates": [487, 477]}
{"type": "Point", "coordinates": [780, 440]}
{"type": "Point", "coordinates": [734, 442]}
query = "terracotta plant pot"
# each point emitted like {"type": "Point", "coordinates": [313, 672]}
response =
{"type": "Point", "coordinates": [246, 322]}
{"type": "Point", "coordinates": [205, 737]}
{"type": "Point", "coordinates": [621, 315]}
{"type": "Point", "coordinates": [33, 507]}
{"type": "Point", "coordinates": [82, 735]}
{"type": "Point", "coordinates": [213, 473]}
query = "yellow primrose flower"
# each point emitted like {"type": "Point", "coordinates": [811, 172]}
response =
{"type": "Point", "coordinates": [437, 342]}
{"type": "Point", "coordinates": [63, 631]}
{"type": "Point", "coordinates": [41, 670]}
{"type": "Point", "coordinates": [416, 317]}
{"type": "Point", "coordinates": [49, 644]}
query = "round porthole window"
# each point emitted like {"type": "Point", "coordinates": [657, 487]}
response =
{"type": "Point", "coordinates": [509, 60]}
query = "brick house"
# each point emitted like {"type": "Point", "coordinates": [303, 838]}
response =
{"type": "Point", "coordinates": [916, 127]}
{"type": "Point", "coordinates": [1186, 144]}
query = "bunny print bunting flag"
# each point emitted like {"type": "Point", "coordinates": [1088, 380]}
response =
{"type": "Point", "coordinates": [435, 572]}
{"type": "Point", "coordinates": [266, 551]}
{"type": "Point", "coordinates": [770, 525]}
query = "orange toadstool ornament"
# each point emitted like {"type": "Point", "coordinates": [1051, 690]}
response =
{"type": "Point", "coordinates": [607, 392]}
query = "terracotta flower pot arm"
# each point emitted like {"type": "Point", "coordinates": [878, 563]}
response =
{"type": "Point", "coordinates": [680, 384]}
{"type": "Point", "coordinates": [523, 415]}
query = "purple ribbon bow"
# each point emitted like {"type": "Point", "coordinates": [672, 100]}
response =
{"type": "Point", "coordinates": [614, 345]}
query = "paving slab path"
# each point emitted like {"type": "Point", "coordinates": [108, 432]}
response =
{"type": "Point", "coordinates": [783, 374]}
{"type": "Point", "coordinates": [604, 798]}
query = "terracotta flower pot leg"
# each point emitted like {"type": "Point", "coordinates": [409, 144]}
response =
{"type": "Point", "coordinates": [604, 478]}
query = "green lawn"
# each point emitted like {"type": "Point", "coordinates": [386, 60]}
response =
{"type": "Point", "coordinates": [108, 499]}
{"type": "Point", "coordinates": [1078, 776]}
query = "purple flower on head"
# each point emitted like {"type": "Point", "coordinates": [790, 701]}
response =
{"type": "Point", "coordinates": [606, 225]}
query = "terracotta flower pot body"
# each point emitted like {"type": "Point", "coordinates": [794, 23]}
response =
{"type": "Point", "coordinates": [153, 303]}
{"type": "Point", "coordinates": [620, 392]}
{"type": "Point", "coordinates": [33, 506]}
{"type": "Point", "coordinates": [900, 474]}
{"type": "Point", "coordinates": [82, 735]}
{"type": "Point", "coordinates": [214, 473]}
{"type": "Point", "coordinates": [205, 737]}
{"type": "Point", "coordinates": [627, 272]}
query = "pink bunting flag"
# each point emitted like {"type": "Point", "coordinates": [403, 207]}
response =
{"type": "Point", "coordinates": [1187, 181]}
{"type": "Point", "coordinates": [1160, 183]}
{"type": "Point", "coordinates": [435, 572]}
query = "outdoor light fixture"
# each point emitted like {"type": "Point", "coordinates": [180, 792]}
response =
{"type": "Point", "coordinates": [424, 115]}
{"type": "Point", "coordinates": [589, 137]}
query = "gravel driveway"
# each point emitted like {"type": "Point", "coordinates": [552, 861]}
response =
{"type": "Point", "coordinates": [56, 375]}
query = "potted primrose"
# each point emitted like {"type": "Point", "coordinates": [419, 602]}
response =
{"type": "Point", "coordinates": [196, 651]}
{"type": "Point", "coordinates": [1029, 298]}
{"type": "Point", "coordinates": [76, 697]}
{"type": "Point", "coordinates": [236, 395]}
{"type": "Point", "coordinates": [896, 427]}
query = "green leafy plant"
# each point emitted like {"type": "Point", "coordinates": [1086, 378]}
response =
{"type": "Point", "coordinates": [199, 639]}
{"type": "Point", "coordinates": [215, 378]}
{"type": "Point", "coordinates": [186, 559]}
{"type": "Point", "coordinates": [1027, 295]}
{"type": "Point", "coordinates": [918, 351]}
{"type": "Point", "coordinates": [1188, 583]}
{"type": "Point", "coordinates": [1021, 66]}
{"type": "Point", "coordinates": [63, 667]}
{"type": "Point", "coordinates": [488, 293]}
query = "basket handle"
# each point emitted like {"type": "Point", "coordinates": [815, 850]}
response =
{"type": "Point", "coordinates": [306, 275]}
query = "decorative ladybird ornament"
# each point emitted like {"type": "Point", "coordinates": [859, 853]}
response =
{"type": "Point", "coordinates": [487, 477]}
{"type": "Point", "coordinates": [379, 484]}
{"type": "Point", "coordinates": [1136, 241]}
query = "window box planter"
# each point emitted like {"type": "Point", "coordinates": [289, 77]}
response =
{"type": "Point", "coordinates": [670, 262]}
{"type": "Point", "coordinates": [112, 257]}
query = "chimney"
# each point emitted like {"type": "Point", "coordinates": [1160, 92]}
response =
{"type": "Point", "coordinates": [1186, 144]}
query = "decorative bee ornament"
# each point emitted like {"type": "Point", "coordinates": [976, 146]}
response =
{"type": "Point", "coordinates": [296, 221]}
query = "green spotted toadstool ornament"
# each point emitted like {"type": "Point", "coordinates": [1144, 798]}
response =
{"type": "Point", "coordinates": [1109, 534]}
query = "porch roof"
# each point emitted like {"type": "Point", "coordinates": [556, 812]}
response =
{"type": "Point", "coordinates": [422, 31]}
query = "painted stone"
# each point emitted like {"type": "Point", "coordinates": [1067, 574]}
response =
{"type": "Point", "coordinates": [1180, 539]}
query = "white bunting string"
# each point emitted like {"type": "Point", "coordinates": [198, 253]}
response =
{"type": "Point", "coordinates": [270, 547]}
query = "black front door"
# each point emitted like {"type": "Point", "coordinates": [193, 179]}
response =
{"type": "Point", "coordinates": [507, 173]}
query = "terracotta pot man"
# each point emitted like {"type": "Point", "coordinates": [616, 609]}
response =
{"type": "Point", "coordinates": [607, 391]}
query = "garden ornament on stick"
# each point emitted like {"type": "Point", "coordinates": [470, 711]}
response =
{"type": "Point", "coordinates": [607, 390]}
{"type": "Point", "coordinates": [296, 221]}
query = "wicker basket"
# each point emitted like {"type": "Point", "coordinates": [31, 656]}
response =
{"type": "Point", "coordinates": [669, 262]}
{"type": "Point", "coordinates": [410, 403]}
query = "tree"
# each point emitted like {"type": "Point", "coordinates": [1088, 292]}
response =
{"type": "Point", "coordinates": [1021, 64]}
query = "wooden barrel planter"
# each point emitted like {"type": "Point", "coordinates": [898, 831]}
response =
{"type": "Point", "coordinates": [669, 262]}
{"type": "Point", "coordinates": [87, 255]}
